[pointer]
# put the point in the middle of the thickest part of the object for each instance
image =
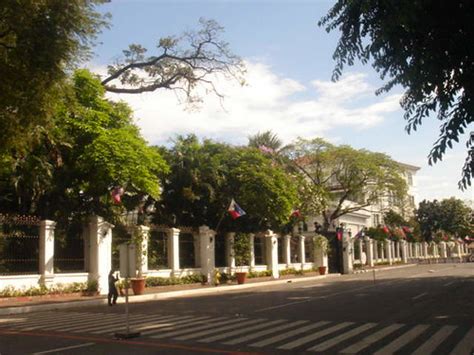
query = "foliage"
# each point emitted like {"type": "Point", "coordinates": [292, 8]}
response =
{"type": "Point", "coordinates": [255, 274]}
{"type": "Point", "coordinates": [376, 233]}
{"type": "Point", "coordinates": [267, 141]}
{"type": "Point", "coordinates": [451, 216]}
{"type": "Point", "coordinates": [321, 243]}
{"type": "Point", "coordinates": [153, 281]}
{"type": "Point", "coordinates": [57, 289]}
{"type": "Point", "coordinates": [344, 179]}
{"type": "Point", "coordinates": [93, 147]}
{"type": "Point", "coordinates": [420, 45]}
{"type": "Point", "coordinates": [39, 42]}
{"type": "Point", "coordinates": [242, 249]}
{"type": "Point", "coordinates": [392, 218]}
{"type": "Point", "coordinates": [203, 57]}
{"type": "Point", "coordinates": [205, 176]}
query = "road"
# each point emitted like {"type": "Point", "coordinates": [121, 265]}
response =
{"type": "Point", "coordinates": [415, 310]}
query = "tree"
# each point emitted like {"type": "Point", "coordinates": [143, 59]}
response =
{"type": "Point", "coordinates": [205, 176]}
{"type": "Point", "coordinates": [39, 42]}
{"type": "Point", "coordinates": [451, 216]}
{"type": "Point", "coordinates": [181, 69]}
{"type": "Point", "coordinates": [266, 141]}
{"type": "Point", "coordinates": [344, 179]}
{"type": "Point", "coordinates": [420, 45]}
{"type": "Point", "coordinates": [92, 148]}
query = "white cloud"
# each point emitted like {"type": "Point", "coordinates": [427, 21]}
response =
{"type": "Point", "coordinates": [267, 102]}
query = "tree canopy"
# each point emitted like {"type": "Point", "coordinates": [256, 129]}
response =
{"type": "Point", "coordinates": [451, 216]}
{"type": "Point", "coordinates": [424, 47]}
{"type": "Point", "coordinates": [341, 179]}
{"type": "Point", "coordinates": [205, 177]}
{"type": "Point", "coordinates": [39, 41]}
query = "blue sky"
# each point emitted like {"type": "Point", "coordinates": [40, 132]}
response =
{"type": "Point", "coordinates": [289, 61]}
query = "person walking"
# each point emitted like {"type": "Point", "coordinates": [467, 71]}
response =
{"type": "Point", "coordinates": [113, 294]}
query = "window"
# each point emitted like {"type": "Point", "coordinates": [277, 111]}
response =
{"type": "Point", "coordinates": [409, 179]}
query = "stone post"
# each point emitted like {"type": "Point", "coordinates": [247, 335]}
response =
{"type": "Point", "coordinates": [376, 251]}
{"type": "Point", "coordinates": [271, 248]}
{"type": "Point", "coordinates": [458, 251]}
{"type": "Point", "coordinates": [207, 252]}
{"type": "Point", "coordinates": [301, 251]}
{"type": "Point", "coordinates": [321, 258]}
{"type": "Point", "coordinates": [347, 253]}
{"type": "Point", "coordinates": [229, 251]}
{"type": "Point", "coordinates": [388, 249]}
{"type": "Point", "coordinates": [252, 251]}
{"type": "Point", "coordinates": [145, 234]}
{"type": "Point", "coordinates": [369, 246]}
{"type": "Point", "coordinates": [426, 254]}
{"type": "Point", "coordinates": [173, 250]}
{"type": "Point", "coordinates": [100, 252]}
{"type": "Point", "coordinates": [404, 250]}
{"type": "Point", "coordinates": [287, 250]}
{"type": "Point", "coordinates": [46, 252]}
{"type": "Point", "coordinates": [361, 249]}
{"type": "Point", "coordinates": [443, 250]}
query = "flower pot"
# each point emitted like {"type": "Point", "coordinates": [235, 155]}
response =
{"type": "Point", "coordinates": [241, 277]}
{"type": "Point", "coordinates": [322, 270]}
{"type": "Point", "coordinates": [138, 286]}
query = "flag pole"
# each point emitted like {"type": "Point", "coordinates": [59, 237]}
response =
{"type": "Point", "coordinates": [220, 221]}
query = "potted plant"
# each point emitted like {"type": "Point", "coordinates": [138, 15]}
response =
{"type": "Point", "coordinates": [321, 244]}
{"type": "Point", "coordinates": [138, 282]}
{"type": "Point", "coordinates": [242, 255]}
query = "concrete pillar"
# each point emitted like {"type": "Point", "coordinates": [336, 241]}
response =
{"type": "Point", "coordinates": [375, 248]}
{"type": "Point", "coordinates": [229, 251]}
{"type": "Point", "coordinates": [458, 250]}
{"type": "Point", "coordinates": [369, 247]}
{"type": "Point", "coordinates": [207, 252]}
{"type": "Point", "coordinates": [271, 249]}
{"type": "Point", "coordinates": [143, 259]}
{"type": "Point", "coordinates": [393, 250]}
{"type": "Point", "coordinates": [347, 253]}
{"type": "Point", "coordinates": [361, 249]}
{"type": "Point", "coordinates": [382, 251]}
{"type": "Point", "coordinates": [417, 250]}
{"type": "Point", "coordinates": [388, 249]}
{"type": "Point", "coordinates": [301, 251]}
{"type": "Point", "coordinates": [46, 252]}
{"type": "Point", "coordinates": [320, 257]}
{"type": "Point", "coordinates": [404, 251]}
{"type": "Point", "coordinates": [100, 252]}
{"type": "Point", "coordinates": [252, 250]}
{"type": "Point", "coordinates": [426, 253]}
{"type": "Point", "coordinates": [397, 250]}
{"type": "Point", "coordinates": [443, 250]}
{"type": "Point", "coordinates": [287, 250]}
{"type": "Point", "coordinates": [173, 250]}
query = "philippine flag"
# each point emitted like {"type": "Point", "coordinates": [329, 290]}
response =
{"type": "Point", "coordinates": [235, 210]}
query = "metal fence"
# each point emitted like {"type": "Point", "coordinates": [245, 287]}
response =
{"type": "Point", "coordinates": [157, 250]}
{"type": "Point", "coordinates": [19, 244]}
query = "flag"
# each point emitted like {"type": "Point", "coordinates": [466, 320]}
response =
{"type": "Point", "coordinates": [296, 213]}
{"type": "Point", "coordinates": [116, 194]}
{"type": "Point", "coordinates": [406, 229]}
{"type": "Point", "coordinates": [235, 210]}
{"type": "Point", "coordinates": [385, 229]}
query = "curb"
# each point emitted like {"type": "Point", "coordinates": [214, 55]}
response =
{"type": "Point", "coordinates": [384, 268]}
{"type": "Point", "coordinates": [157, 296]}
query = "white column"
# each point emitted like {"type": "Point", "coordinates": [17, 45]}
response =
{"type": "Point", "coordinates": [287, 250]}
{"type": "Point", "coordinates": [173, 250]}
{"type": "Point", "coordinates": [369, 246]}
{"type": "Point", "coordinates": [375, 247]}
{"type": "Point", "coordinates": [347, 253]}
{"type": "Point", "coordinates": [252, 250]}
{"type": "Point", "coordinates": [444, 252]}
{"type": "Point", "coordinates": [458, 250]}
{"type": "Point", "coordinates": [321, 257]}
{"type": "Point", "coordinates": [425, 250]}
{"type": "Point", "coordinates": [229, 251]}
{"type": "Point", "coordinates": [301, 251]}
{"type": "Point", "coordinates": [46, 252]}
{"type": "Point", "coordinates": [207, 252]}
{"type": "Point", "coordinates": [100, 252]}
{"type": "Point", "coordinates": [361, 249]}
{"type": "Point", "coordinates": [388, 249]}
{"type": "Point", "coordinates": [404, 250]}
{"type": "Point", "coordinates": [271, 247]}
{"type": "Point", "coordinates": [145, 236]}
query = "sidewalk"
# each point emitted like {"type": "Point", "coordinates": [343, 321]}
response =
{"type": "Point", "coordinates": [16, 305]}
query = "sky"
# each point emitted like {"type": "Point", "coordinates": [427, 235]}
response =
{"type": "Point", "coordinates": [288, 85]}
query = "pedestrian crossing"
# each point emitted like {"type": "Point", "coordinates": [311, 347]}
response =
{"type": "Point", "coordinates": [326, 337]}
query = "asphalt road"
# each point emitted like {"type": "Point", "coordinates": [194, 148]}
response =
{"type": "Point", "coordinates": [422, 309]}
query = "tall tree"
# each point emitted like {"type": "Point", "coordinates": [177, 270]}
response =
{"type": "Point", "coordinates": [177, 66]}
{"type": "Point", "coordinates": [342, 179]}
{"type": "Point", "coordinates": [423, 46]}
{"type": "Point", "coordinates": [39, 41]}
{"type": "Point", "coordinates": [266, 141]}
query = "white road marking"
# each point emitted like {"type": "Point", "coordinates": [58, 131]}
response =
{"type": "Point", "coordinates": [242, 331]}
{"type": "Point", "coordinates": [220, 329]}
{"type": "Point", "coordinates": [419, 296]}
{"type": "Point", "coordinates": [65, 348]}
{"type": "Point", "coordinates": [178, 328]}
{"type": "Point", "coordinates": [265, 332]}
{"type": "Point", "coordinates": [449, 283]}
{"type": "Point", "coordinates": [334, 341]}
{"type": "Point", "coordinates": [402, 340]}
{"type": "Point", "coordinates": [314, 336]}
{"type": "Point", "coordinates": [373, 338]}
{"type": "Point", "coordinates": [287, 335]}
{"type": "Point", "coordinates": [435, 340]}
{"type": "Point", "coordinates": [466, 345]}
